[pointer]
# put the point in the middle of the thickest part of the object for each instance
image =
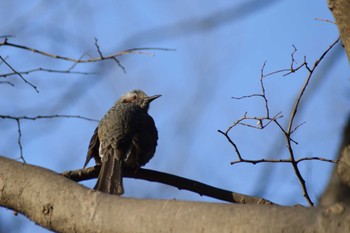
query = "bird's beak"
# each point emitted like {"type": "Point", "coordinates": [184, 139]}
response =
{"type": "Point", "coordinates": [151, 98]}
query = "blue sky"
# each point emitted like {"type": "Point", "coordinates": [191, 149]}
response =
{"type": "Point", "coordinates": [220, 49]}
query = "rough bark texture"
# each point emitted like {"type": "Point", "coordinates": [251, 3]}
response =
{"type": "Point", "coordinates": [340, 10]}
{"type": "Point", "coordinates": [338, 189]}
{"type": "Point", "coordinates": [343, 168]}
{"type": "Point", "coordinates": [62, 205]}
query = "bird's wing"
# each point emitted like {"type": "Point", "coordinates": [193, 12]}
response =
{"type": "Point", "coordinates": [144, 140]}
{"type": "Point", "coordinates": [93, 149]}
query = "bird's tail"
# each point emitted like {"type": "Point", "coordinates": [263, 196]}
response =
{"type": "Point", "coordinates": [110, 179]}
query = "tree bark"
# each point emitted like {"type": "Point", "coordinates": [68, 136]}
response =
{"type": "Point", "coordinates": [61, 205]}
{"type": "Point", "coordinates": [340, 10]}
{"type": "Point", "coordinates": [338, 188]}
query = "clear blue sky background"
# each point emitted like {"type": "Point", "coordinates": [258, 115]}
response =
{"type": "Point", "coordinates": [220, 48]}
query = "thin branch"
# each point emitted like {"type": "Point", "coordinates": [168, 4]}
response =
{"type": "Point", "coordinates": [299, 176]}
{"type": "Point", "coordinates": [256, 161]}
{"type": "Point", "coordinates": [292, 117]}
{"type": "Point", "coordinates": [246, 96]}
{"type": "Point", "coordinates": [3, 60]}
{"type": "Point", "coordinates": [276, 72]}
{"type": "Point", "coordinates": [19, 140]}
{"type": "Point", "coordinates": [293, 60]}
{"type": "Point", "coordinates": [29, 83]}
{"type": "Point", "coordinates": [98, 48]}
{"type": "Point", "coordinates": [172, 180]}
{"type": "Point", "coordinates": [232, 143]}
{"type": "Point", "coordinates": [68, 71]}
{"type": "Point", "coordinates": [291, 69]}
{"type": "Point", "coordinates": [311, 71]}
{"type": "Point", "coordinates": [76, 63]}
{"type": "Point", "coordinates": [114, 58]}
{"type": "Point", "coordinates": [263, 94]}
{"type": "Point", "coordinates": [317, 158]}
{"type": "Point", "coordinates": [7, 82]}
{"type": "Point", "coordinates": [46, 117]}
{"type": "Point", "coordinates": [290, 129]}
{"type": "Point", "coordinates": [260, 121]}
{"type": "Point", "coordinates": [325, 20]}
{"type": "Point", "coordinates": [19, 118]}
{"type": "Point", "coordinates": [296, 127]}
{"type": "Point", "coordinates": [119, 64]}
{"type": "Point", "coordinates": [109, 57]}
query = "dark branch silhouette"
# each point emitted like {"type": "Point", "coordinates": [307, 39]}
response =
{"type": "Point", "coordinates": [18, 120]}
{"type": "Point", "coordinates": [19, 74]}
{"type": "Point", "coordinates": [172, 180]}
{"type": "Point", "coordinates": [113, 57]}
{"type": "Point", "coordinates": [264, 121]}
{"type": "Point", "coordinates": [81, 60]}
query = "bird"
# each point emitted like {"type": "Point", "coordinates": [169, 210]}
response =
{"type": "Point", "coordinates": [125, 137]}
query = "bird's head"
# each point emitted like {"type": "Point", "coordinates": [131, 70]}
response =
{"type": "Point", "coordinates": [138, 97]}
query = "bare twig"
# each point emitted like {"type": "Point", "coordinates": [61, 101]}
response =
{"type": "Point", "coordinates": [46, 117]}
{"type": "Point", "coordinates": [19, 118]}
{"type": "Point", "coordinates": [246, 96]}
{"type": "Point", "coordinates": [119, 64]}
{"type": "Point", "coordinates": [260, 121]}
{"type": "Point", "coordinates": [76, 63]}
{"type": "Point", "coordinates": [292, 117]}
{"type": "Point", "coordinates": [296, 127]}
{"type": "Point", "coordinates": [290, 129]}
{"type": "Point", "coordinates": [98, 48]}
{"type": "Point", "coordinates": [325, 20]}
{"type": "Point", "coordinates": [46, 70]}
{"type": "Point", "coordinates": [296, 105]}
{"type": "Point", "coordinates": [317, 158]}
{"type": "Point", "coordinates": [113, 57]}
{"type": "Point", "coordinates": [291, 69]}
{"type": "Point", "coordinates": [2, 60]}
{"type": "Point", "coordinates": [293, 60]}
{"type": "Point", "coordinates": [7, 82]}
{"type": "Point", "coordinates": [19, 140]}
{"type": "Point", "coordinates": [232, 143]}
{"type": "Point", "coordinates": [80, 60]}
{"type": "Point", "coordinates": [256, 161]}
{"type": "Point", "coordinates": [263, 94]}
{"type": "Point", "coordinates": [20, 75]}
{"type": "Point", "coordinates": [175, 181]}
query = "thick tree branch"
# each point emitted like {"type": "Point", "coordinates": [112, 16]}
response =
{"type": "Point", "coordinates": [340, 10]}
{"type": "Point", "coordinates": [61, 205]}
{"type": "Point", "coordinates": [338, 189]}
